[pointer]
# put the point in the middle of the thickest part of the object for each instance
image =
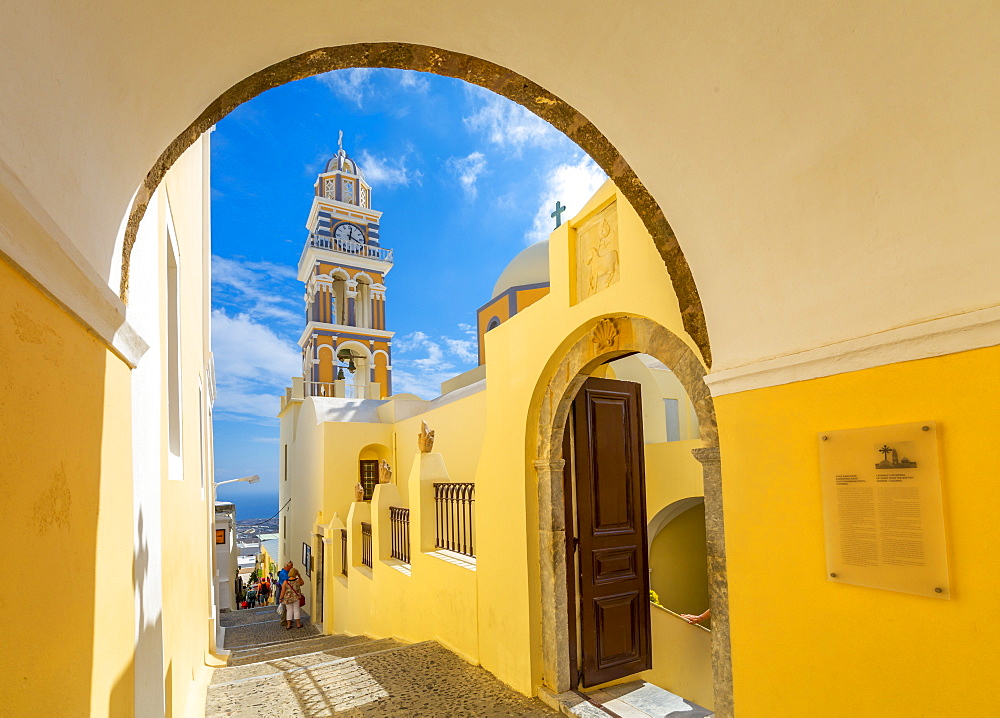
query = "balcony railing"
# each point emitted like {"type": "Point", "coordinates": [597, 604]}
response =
{"type": "Point", "coordinates": [454, 506]}
{"type": "Point", "coordinates": [400, 519]}
{"type": "Point", "coordinates": [343, 551]}
{"type": "Point", "coordinates": [366, 544]}
{"type": "Point", "coordinates": [353, 248]}
{"type": "Point", "coordinates": [341, 390]}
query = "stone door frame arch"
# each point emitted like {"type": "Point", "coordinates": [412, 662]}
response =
{"type": "Point", "coordinates": [448, 63]}
{"type": "Point", "coordinates": [605, 338]}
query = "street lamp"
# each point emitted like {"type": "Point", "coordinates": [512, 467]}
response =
{"type": "Point", "coordinates": [249, 479]}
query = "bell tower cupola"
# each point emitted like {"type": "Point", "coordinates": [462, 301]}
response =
{"type": "Point", "coordinates": [345, 345]}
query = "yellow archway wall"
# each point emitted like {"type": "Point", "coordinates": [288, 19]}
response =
{"type": "Point", "coordinates": [525, 356]}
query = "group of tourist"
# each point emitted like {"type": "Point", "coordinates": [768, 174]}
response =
{"type": "Point", "coordinates": [285, 588]}
{"type": "Point", "coordinates": [257, 592]}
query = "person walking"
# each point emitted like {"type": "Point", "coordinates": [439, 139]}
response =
{"type": "Point", "coordinates": [291, 596]}
{"type": "Point", "coordinates": [283, 576]}
{"type": "Point", "coordinates": [265, 592]}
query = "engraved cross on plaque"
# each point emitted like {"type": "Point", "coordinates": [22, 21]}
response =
{"type": "Point", "coordinates": [558, 213]}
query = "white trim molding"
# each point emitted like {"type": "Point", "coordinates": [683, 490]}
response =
{"type": "Point", "coordinates": [32, 243]}
{"type": "Point", "coordinates": [936, 337]}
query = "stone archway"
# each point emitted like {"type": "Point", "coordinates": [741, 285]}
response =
{"type": "Point", "coordinates": [500, 80]}
{"type": "Point", "coordinates": [607, 338]}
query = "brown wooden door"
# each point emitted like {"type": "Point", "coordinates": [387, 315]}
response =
{"type": "Point", "coordinates": [610, 492]}
{"type": "Point", "coordinates": [317, 616]}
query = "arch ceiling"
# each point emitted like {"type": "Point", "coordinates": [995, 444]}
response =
{"type": "Point", "coordinates": [812, 158]}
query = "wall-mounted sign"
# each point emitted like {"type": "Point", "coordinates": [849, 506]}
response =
{"type": "Point", "coordinates": [882, 508]}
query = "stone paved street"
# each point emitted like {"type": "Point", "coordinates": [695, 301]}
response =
{"type": "Point", "coordinates": [279, 673]}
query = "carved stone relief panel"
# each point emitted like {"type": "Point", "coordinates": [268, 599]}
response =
{"type": "Point", "coordinates": [597, 264]}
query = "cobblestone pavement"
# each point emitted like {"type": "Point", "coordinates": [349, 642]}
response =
{"type": "Point", "coordinates": [308, 676]}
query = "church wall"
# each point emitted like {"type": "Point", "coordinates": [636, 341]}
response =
{"type": "Point", "coordinates": [498, 308]}
{"type": "Point", "coordinates": [520, 352]}
{"type": "Point", "coordinates": [825, 643]}
{"type": "Point", "coordinates": [527, 297]}
{"type": "Point", "coordinates": [65, 468]}
{"type": "Point", "coordinates": [438, 600]}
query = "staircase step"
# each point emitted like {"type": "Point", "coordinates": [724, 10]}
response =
{"type": "Point", "coordinates": [246, 615]}
{"type": "Point", "coordinates": [422, 679]}
{"type": "Point", "coordinates": [292, 661]}
{"type": "Point", "coordinates": [266, 632]}
{"type": "Point", "coordinates": [640, 699]}
{"type": "Point", "coordinates": [322, 642]}
{"type": "Point", "coordinates": [637, 699]}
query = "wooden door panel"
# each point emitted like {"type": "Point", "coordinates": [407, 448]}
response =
{"type": "Point", "coordinates": [614, 564]}
{"type": "Point", "coordinates": [612, 498]}
{"type": "Point", "coordinates": [611, 523]}
{"type": "Point", "coordinates": [618, 635]}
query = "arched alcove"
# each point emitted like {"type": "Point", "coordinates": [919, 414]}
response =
{"type": "Point", "coordinates": [678, 561]}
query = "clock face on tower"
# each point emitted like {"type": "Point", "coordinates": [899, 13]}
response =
{"type": "Point", "coordinates": [349, 233]}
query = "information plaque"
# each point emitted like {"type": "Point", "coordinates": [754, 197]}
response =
{"type": "Point", "coordinates": [882, 508]}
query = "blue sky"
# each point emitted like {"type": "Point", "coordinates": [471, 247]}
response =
{"type": "Point", "coordinates": [465, 179]}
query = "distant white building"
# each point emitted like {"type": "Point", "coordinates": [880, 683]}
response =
{"type": "Point", "coordinates": [226, 564]}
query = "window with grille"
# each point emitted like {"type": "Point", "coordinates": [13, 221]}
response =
{"type": "Point", "coordinates": [369, 477]}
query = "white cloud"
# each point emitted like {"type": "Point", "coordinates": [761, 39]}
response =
{"type": "Point", "coordinates": [382, 172]}
{"type": "Point", "coordinates": [506, 123]}
{"type": "Point", "coordinates": [318, 164]}
{"type": "Point", "coordinates": [572, 183]}
{"type": "Point", "coordinates": [411, 80]}
{"type": "Point", "coordinates": [257, 287]}
{"type": "Point", "coordinates": [252, 365]}
{"type": "Point", "coordinates": [433, 361]}
{"type": "Point", "coordinates": [468, 169]}
{"type": "Point", "coordinates": [352, 85]}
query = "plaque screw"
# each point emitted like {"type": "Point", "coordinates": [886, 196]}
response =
{"type": "Point", "coordinates": [938, 590]}
{"type": "Point", "coordinates": [825, 438]}
{"type": "Point", "coordinates": [833, 575]}
{"type": "Point", "coordinates": [926, 428]}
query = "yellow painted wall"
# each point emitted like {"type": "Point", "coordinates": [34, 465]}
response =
{"type": "Point", "coordinates": [186, 510]}
{"type": "Point", "coordinates": [678, 563]}
{"type": "Point", "coordinates": [682, 658]}
{"type": "Point", "coordinates": [825, 643]}
{"type": "Point", "coordinates": [489, 438]}
{"type": "Point", "coordinates": [65, 469]}
{"type": "Point", "coordinates": [672, 473]}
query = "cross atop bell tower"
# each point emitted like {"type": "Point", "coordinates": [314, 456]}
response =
{"type": "Point", "coordinates": [345, 346]}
